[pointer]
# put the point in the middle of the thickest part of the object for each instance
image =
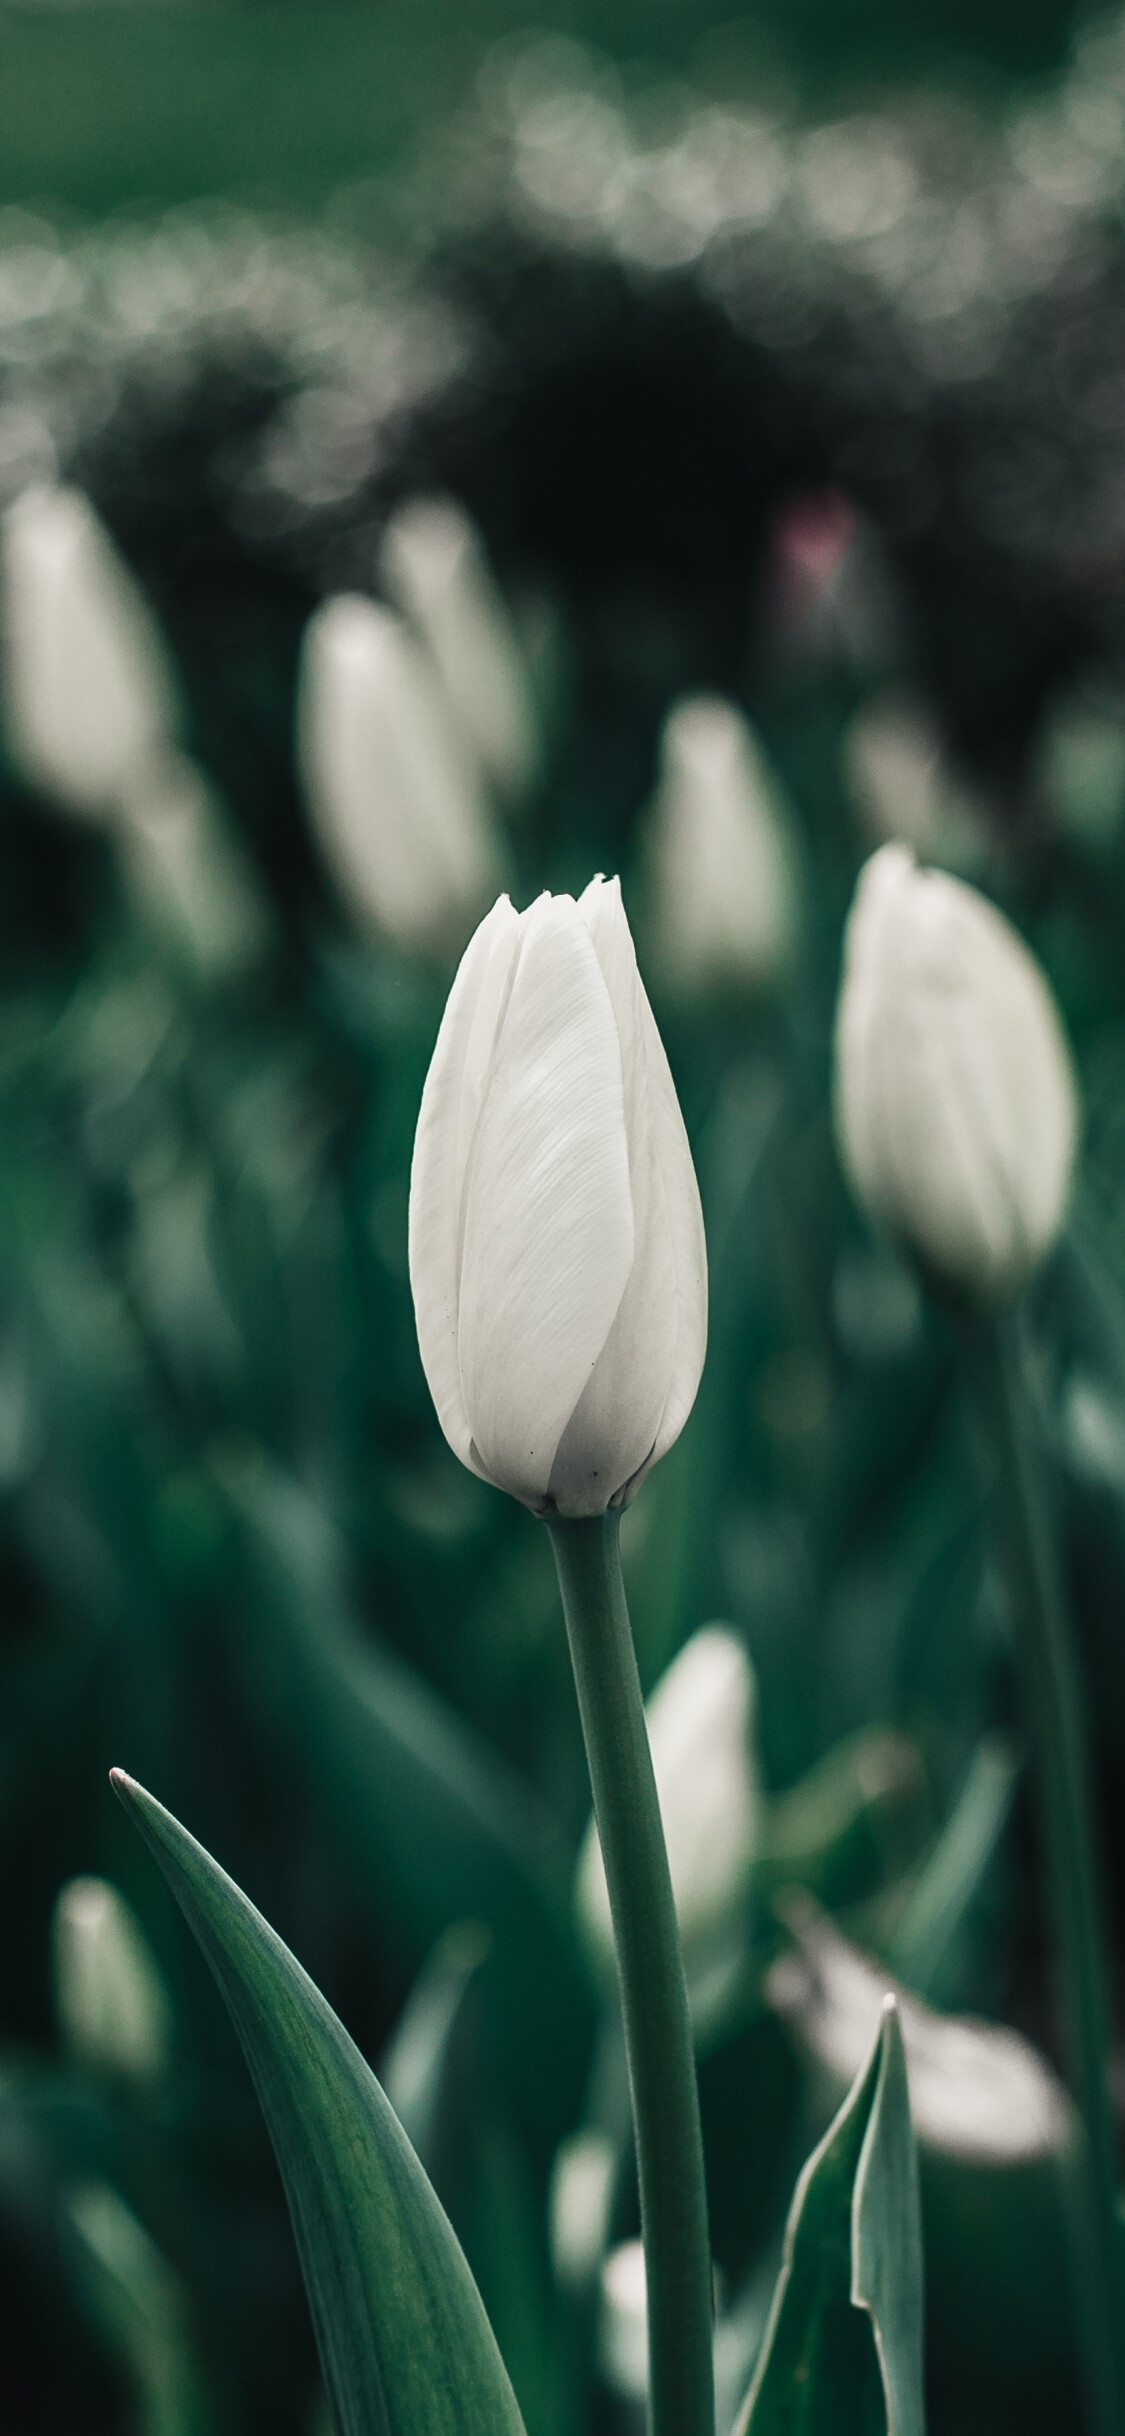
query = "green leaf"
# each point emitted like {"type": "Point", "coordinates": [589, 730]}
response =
{"type": "Point", "coordinates": [842, 2354]}
{"type": "Point", "coordinates": [405, 2346]}
{"type": "Point", "coordinates": [436, 1826]}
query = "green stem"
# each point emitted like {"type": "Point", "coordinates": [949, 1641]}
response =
{"type": "Point", "coordinates": [1053, 1695]}
{"type": "Point", "coordinates": [650, 1968]}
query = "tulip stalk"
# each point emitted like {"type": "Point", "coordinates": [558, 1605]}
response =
{"type": "Point", "coordinates": [1053, 1697]}
{"type": "Point", "coordinates": [654, 2000]}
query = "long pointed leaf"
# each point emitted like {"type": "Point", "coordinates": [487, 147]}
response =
{"type": "Point", "coordinates": [842, 2354]}
{"type": "Point", "coordinates": [405, 2346]}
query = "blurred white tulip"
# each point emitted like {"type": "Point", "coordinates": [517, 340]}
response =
{"type": "Point", "coordinates": [556, 1239]}
{"type": "Point", "coordinates": [432, 564]}
{"type": "Point", "coordinates": [901, 786]}
{"type": "Point", "coordinates": [701, 1720]}
{"type": "Point", "coordinates": [720, 859]}
{"type": "Point", "coordinates": [88, 693]}
{"type": "Point", "coordinates": [623, 2323]}
{"type": "Point", "coordinates": [955, 1101]}
{"type": "Point", "coordinates": [578, 2206]}
{"type": "Point", "coordinates": [977, 2091]}
{"type": "Point", "coordinates": [396, 801]}
{"type": "Point", "coordinates": [188, 878]}
{"type": "Point", "coordinates": [111, 2000]}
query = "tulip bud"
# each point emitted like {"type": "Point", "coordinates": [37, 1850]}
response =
{"type": "Point", "coordinates": [976, 2091]}
{"type": "Point", "coordinates": [556, 1238]}
{"type": "Point", "coordinates": [721, 864]}
{"type": "Point", "coordinates": [623, 2323]}
{"type": "Point", "coordinates": [700, 1728]}
{"type": "Point", "coordinates": [110, 1996]}
{"type": "Point", "coordinates": [88, 694]}
{"type": "Point", "coordinates": [578, 2206]}
{"type": "Point", "coordinates": [435, 570]}
{"type": "Point", "coordinates": [185, 873]}
{"type": "Point", "coordinates": [901, 785]}
{"type": "Point", "coordinates": [956, 1111]}
{"type": "Point", "coordinates": [395, 800]}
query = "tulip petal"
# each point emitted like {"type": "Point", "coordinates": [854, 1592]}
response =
{"type": "Point", "coordinates": [956, 1104]}
{"type": "Point", "coordinates": [616, 1419]}
{"type": "Point", "coordinates": [447, 1121]}
{"type": "Point", "coordinates": [548, 1232]}
{"type": "Point", "coordinates": [395, 797]}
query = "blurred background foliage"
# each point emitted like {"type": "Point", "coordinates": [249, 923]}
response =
{"type": "Point", "coordinates": [784, 360]}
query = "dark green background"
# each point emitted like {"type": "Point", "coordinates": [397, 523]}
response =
{"type": "Point", "coordinates": [101, 106]}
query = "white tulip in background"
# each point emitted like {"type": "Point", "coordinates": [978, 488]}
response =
{"type": "Point", "coordinates": [578, 2206]}
{"type": "Point", "coordinates": [88, 691]}
{"type": "Point", "coordinates": [955, 1102]}
{"type": "Point", "coordinates": [977, 2091]}
{"type": "Point", "coordinates": [556, 1239]}
{"type": "Point", "coordinates": [720, 855]}
{"type": "Point", "coordinates": [901, 787]}
{"type": "Point", "coordinates": [701, 1720]}
{"type": "Point", "coordinates": [623, 2323]}
{"type": "Point", "coordinates": [394, 794]}
{"type": "Point", "coordinates": [182, 866]}
{"type": "Point", "coordinates": [111, 2001]}
{"type": "Point", "coordinates": [432, 564]}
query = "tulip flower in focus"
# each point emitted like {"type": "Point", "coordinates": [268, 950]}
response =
{"type": "Point", "coordinates": [956, 1109]}
{"type": "Point", "coordinates": [556, 1239]}
{"type": "Point", "coordinates": [88, 693]}
{"type": "Point", "coordinates": [701, 1733]}
{"type": "Point", "coordinates": [433, 566]}
{"type": "Point", "coordinates": [723, 908]}
{"type": "Point", "coordinates": [395, 798]}
{"type": "Point", "coordinates": [110, 1997]}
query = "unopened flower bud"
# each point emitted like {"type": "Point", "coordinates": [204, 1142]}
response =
{"type": "Point", "coordinates": [556, 1238]}
{"type": "Point", "coordinates": [701, 1733]}
{"type": "Point", "coordinates": [395, 798]}
{"type": "Point", "coordinates": [110, 1995]}
{"type": "Point", "coordinates": [188, 878]}
{"type": "Point", "coordinates": [720, 855]}
{"type": "Point", "coordinates": [88, 693]}
{"type": "Point", "coordinates": [433, 565]}
{"type": "Point", "coordinates": [977, 2091]}
{"type": "Point", "coordinates": [956, 1110]}
{"type": "Point", "coordinates": [902, 787]}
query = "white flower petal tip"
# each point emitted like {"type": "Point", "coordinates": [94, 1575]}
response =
{"type": "Point", "coordinates": [977, 2091]}
{"type": "Point", "coordinates": [723, 908]}
{"type": "Point", "coordinates": [112, 2003]}
{"type": "Point", "coordinates": [88, 691]}
{"type": "Point", "coordinates": [395, 797]}
{"type": "Point", "coordinates": [701, 1724]}
{"type": "Point", "coordinates": [433, 566]}
{"type": "Point", "coordinates": [955, 1100]}
{"type": "Point", "coordinates": [556, 1240]}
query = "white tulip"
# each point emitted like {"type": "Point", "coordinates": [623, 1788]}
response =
{"type": "Point", "coordinates": [623, 2322]}
{"type": "Point", "coordinates": [433, 565]}
{"type": "Point", "coordinates": [394, 795]}
{"type": "Point", "coordinates": [188, 879]}
{"type": "Point", "coordinates": [88, 692]}
{"type": "Point", "coordinates": [721, 867]}
{"type": "Point", "coordinates": [977, 2091]}
{"type": "Point", "coordinates": [701, 1733]}
{"type": "Point", "coordinates": [556, 1238]}
{"type": "Point", "coordinates": [111, 1999]}
{"type": "Point", "coordinates": [578, 2206]}
{"type": "Point", "coordinates": [956, 1109]}
{"type": "Point", "coordinates": [901, 785]}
